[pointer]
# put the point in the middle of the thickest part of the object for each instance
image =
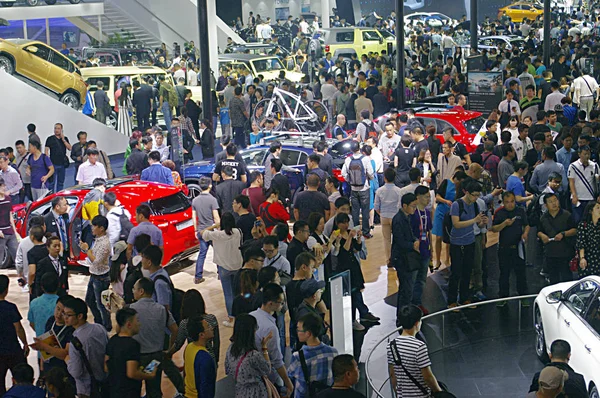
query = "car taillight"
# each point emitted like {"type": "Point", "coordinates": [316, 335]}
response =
{"type": "Point", "coordinates": [327, 49]}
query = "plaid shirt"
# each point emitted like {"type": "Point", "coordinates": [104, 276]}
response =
{"type": "Point", "coordinates": [318, 361]}
{"type": "Point", "coordinates": [490, 163]}
{"type": "Point", "coordinates": [486, 183]}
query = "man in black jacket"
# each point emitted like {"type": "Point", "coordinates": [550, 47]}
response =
{"type": "Point", "coordinates": [142, 100]}
{"type": "Point", "coordinates": [78, 151]}
{"type": "Point", "coordinates": [138, 160]}
{"type": "Point", "coordinates": [57, 221]}
{"type": "Point", "coordinates": [403, 241]}
{"type": "Point", "coordinates": [560, 354]}
{"type": "Point", "coordinates": [280, 182]}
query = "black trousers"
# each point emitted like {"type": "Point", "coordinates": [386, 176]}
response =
{"type": "Point", "coordinates": [461, 257]}
{"type": "Point", "coordinates": [143, 120]}
{"type": "Point", "coordinates": [509, 260]}
{"type": "Point", "coordinates": [558, 268]}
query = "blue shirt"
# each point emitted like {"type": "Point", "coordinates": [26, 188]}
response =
{"type": "Point", "coordinates": [224, 115]}
{"type": "Point", "coordinates": [563, 157]}
{"type": "Point", "coordinates": [162, 291]}
{"type": "Point", "coordinates": [541, 69]}
{"type": "Point", "coordinates": [514, 185]}
{"type": "Point", "coordinates": [40, 310]}
{"type": "Point", "coordinates": [146, 227]}
{"type": "Point", "coordinates": [318, 361]}
{"type": "Point", "coordinates": [157, 173]}
{"type": "Point", "coordinates": [23, 391]}
{"type": "Point", "coordinates": [266, 325]}
{"type": "Point", "coordinates": [255, 138]}
{"type": "Point", "coordinates": [466, 235]}
{"type": "Point", "coordinates": [387, 200]}
{"type": "Point", "coordinates": [88, 108]}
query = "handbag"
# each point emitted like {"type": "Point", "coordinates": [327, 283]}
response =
{"type": "Point", "coordinates": [398, 361]}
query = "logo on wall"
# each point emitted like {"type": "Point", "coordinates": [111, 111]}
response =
{"type": "Point", "coordinates": [279, 3]}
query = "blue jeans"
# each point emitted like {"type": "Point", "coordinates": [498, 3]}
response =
{"type": "Point", "coordinates": [360, 203]}
{"type": "Point", "coordinates": [96, 285]}
{"type": "Point", "coordinates": [204, 245]}
{"type": "Point", "coordinates": [59, 178]}
{"type": "Point", "coordinates": [281, 327]}
{"type": "Point", "coordinates": [420, 281]}
{"type": "Point", "coordinates": [166, 109]}
{"type": "Point", "coordinates": [226, 278]}
{"type": "Point", "coordinates": [447, 53]}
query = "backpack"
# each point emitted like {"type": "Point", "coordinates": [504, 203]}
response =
{"type": "Point", "coordinates": [534, 211]}
{"type": "Point", "coordinates": [126, 226]}
{"type": "Point", "coordinates": [134, 273]}
{"type": "Point", "coordinates": [447, 223]}
{"type": "Point", "coordinates": [173, 98]}
{"type": "Point", "coordinates": [357, 175]}
{"type": "Point", "coordinates": [370, 130]}
{"type": "Point", "coordinates": [176, 298]}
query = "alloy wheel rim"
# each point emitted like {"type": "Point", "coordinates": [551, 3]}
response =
{"type": "Point", "coordinates": [193, 192]}
{"type": "Point", "coordinates": [5, 65]}
{"type": "Point", "coordinates": [539, 330]}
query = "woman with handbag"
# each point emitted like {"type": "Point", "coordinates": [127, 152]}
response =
{"type": "Point", "coordinates": [588, 236]}
{"type": "Point", "coordinates": [248, 367]}
{"type": "Point", "coordinates": [125, 110]}
{"type": "Point", "coordinates": [272, 211]}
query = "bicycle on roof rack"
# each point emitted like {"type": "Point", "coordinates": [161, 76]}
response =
{"type": "Point", "coordinates": [293, 113]}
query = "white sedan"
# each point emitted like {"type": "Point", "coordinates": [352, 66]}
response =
{"type": "Point", "coordinates": [570, 311]}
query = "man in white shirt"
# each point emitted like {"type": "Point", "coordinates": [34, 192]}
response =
{"type": "Point", "coordinates": [359, 196]}
{"type": "Point", "coordinates": [389, 142]}
{"type": "Point", "coordinates": [192, 76]}
{"type": "Point", "coordinates": [377, 157]}
{"type": "Point", "coordinates": [522, 143]}
{"type": "Point", "coordinates": [91, 168]}
{"type": "Point", "coordinates": [303, 25]}
{"type": "Point", "coordinates": [585, 87]}
{"type": "Point", "coordinates": [178, 72]}
{"type": "Point", "coordinates": [509, 105]}
{"type": "Point", "coordinates": [583, 181]}
{"type": "Point", "coordinates": [554, 97]}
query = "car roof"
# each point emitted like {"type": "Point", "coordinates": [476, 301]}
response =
{"type": "Point", "coordinates": [128, 187]}
{"type": "Point", "coordinates": [121, 70]}
{"type": "Point", "coordinates": [244, 57]}
{"type": "Point", "coordinates": [447, 114]}
{"type": "Point", "coordinates": [22, 42]}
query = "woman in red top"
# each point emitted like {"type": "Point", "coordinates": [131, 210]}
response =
{"type": "Point", "coordinates": [272, 211]}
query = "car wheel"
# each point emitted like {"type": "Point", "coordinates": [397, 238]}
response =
{"type": "Point", "coordinates": [594, 392]}
{"type": "Point", "coordinates": [6, 260]}
{"type": "Point", "coordinates": [112, 120]}
{"type": "Point", "coordinates": [6, 65]}
{"type": "Point", "coordinates": [540, 338]}
{"type": "Point", "coordinates": [33, 3]}
{"type": "Point", "coordinates": [70, 100]}
{"type": "Point", "coordinates": [194, 190]}
{"type": "Point", "coordinates": [74, 1]}
{"type": "Point", "coordinates": [7, 4]}
{"type": "Point", "coordinates": [50, 2]}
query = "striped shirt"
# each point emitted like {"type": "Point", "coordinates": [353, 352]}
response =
{"type": "Point", "coordinates": [414, 358]}
{"type": "Point", "coordinates": [585, 187]}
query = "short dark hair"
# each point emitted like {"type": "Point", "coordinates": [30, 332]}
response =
{"type": "Point", "coordinates": [342, 364]}
{"type": "Point", "coordinates": [110, 198]}
{"type": "Point", "coordinates": [390, 174]}
{"type": "Point", "coordinates": [408, 199]}
{"type": "Point", "coordinates": [124, 315]}
{"type": "Point", "coordinates": [147, 285]}
{"type": "Point", "coordinates": [421, 190]}
{"type": "Point", "coordinates": [23, 373]}
{"type": "Point", "coordinates": [312, 323]}
{"type": "Point", "coordinates": [154, 254]}
{"type": "Point", "coordinates": [204, 183]}
{"type": "Point", "coordinates": [303, 258]}
{"type": "Point", "coordinates": [521, 165]}
{"type": "Point", "coordinates": [276, 164]}
{"type": "Point", "coordinates": [548, 196]}
{"type": "Point", "coordinates": [154, 155]}
{"type": "Point", "coordinates": [408, 315]}
{"type": "Point", "coordinates": [132, 143]}
{"type": "Point", "coordinates": [253, 252]}
{"type": "Point", "coordinates": [271, 240]}
{"type": "Point", "coordinates": [266, 275]}
{"type": "Point", "coordinates": [50, 282]}
{"type": "Point", "coordinates": [195, 327]}
{"type": "Point", "coordinates": [31, 128]}
{"type": "Point", "coordinates": [298, 225]}
{"type": "Point", "coordinates": [414, 174]}
{"type": "Point", "coordinates": [57, 200]}
{"type": "Point", "coordinates": [231, 149]}
{"type": "Point", "coordinates": [36, 144]}
{"type": "Point", "coordinates": [313, 157]}
{"type": "Point", "coordinates": [271, 292]}
{"type": "Point", "coordinates": [560, 349]}
{"type": "Point", "coordinates": [144, 210]}
{"type": "Point", "coordinates": [100, 221]}
{"type": "Point", "coordinates": [342, 218]}
{"type": "Point", "coordinates": [243, 200]}
{"type": "Point", "coordinates": [78, 306]}
{"type": "Point", "coordinates": [471, 186]}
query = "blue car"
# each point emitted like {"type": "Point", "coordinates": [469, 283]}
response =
{"type": "Point", "coordinates": [254, 156]}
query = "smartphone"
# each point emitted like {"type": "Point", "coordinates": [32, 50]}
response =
{"type": "Point", "coordinates": [357, 228]}
{"type": "Point", "coordinates": [151, 366]}
{"type": "Point", "coordinates": [257, 223]}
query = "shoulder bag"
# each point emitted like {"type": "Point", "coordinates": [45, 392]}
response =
{"type": "Point", "coordinates": [99, 389]}
{"type": "Point", "coordinates": [398, 361]}
{"type": "Point", "coordinates": [314, 387]}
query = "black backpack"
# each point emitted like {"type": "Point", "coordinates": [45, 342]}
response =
{"type": "Point", "coordinates": [126, 226]}
{"type": "Point", "coordinates": [370, 130]}
{"type": "Point", "coordinates": [176, 298]}
{"type": "Point", "coordinates": [534, 211]}
{"type": "Point", "coordinates": [447, 224]}
{"type": "Point", "coordinates": [133, 275]}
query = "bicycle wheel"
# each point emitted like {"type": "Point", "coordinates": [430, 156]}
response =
{"type": "Point", "coordinates": [319, 123]}
{"type": "Point", "coordinates": [260, 111]}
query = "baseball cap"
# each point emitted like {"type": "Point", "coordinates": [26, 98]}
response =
{"type": "Point", "coordinates": [310, 286]}
{"type": "Point", "coordinates": [118, 248]}
{"type": "Point", "coordinates": [552, 378]}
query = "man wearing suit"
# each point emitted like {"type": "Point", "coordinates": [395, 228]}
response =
{"type": "Point", "coordinates": [142, 100]}
{"type": "Point", "coordinates": [102, 103]}
{"type": "Point", "coordinates": [156, 172]}
{"type": "Point", "coordinates": [57, 222]}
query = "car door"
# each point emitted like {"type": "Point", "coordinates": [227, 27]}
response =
{"type": "Point", "coordinates": [371, 40]}
{"type": "Point", "coordinates": [586, 358]}
{"type": "Point", "coordinates": [292, 158]}
{"type": "Point", "coordinates": [35, 63]}
{"type": "Point", "coordinates": [61, 73]}
{"type": "Point", "coordinates": [570, 312]}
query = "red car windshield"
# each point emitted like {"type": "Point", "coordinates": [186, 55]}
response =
{"type": "Point", "coordinates": [473, 126]}
{"type": "Point", "coordinates": [170, 204]}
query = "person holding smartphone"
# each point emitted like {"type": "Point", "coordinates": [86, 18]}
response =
{"type": "Point", "coordinates": [245, 220]}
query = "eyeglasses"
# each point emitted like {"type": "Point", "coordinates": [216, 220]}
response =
{"type": "Point", "coordinates": [68, 315]}
{"type": "Point", "coordinates": [269, 251]}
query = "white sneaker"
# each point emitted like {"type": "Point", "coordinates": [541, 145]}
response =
{"type": "Point", "coordinates": [357, 326]}
{"type": "Point", "coordinates": [228, 323]}
{"type": "Point", "coordinates": [25, 289]}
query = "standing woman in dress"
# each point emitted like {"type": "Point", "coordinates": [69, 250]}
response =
{"type": "Point", "coordinates": [125, 108]}
{"type": "Point", "coordinates": [244, 362]}
{"type": "Point", "coordinates": [446, 194]}
{"type": "Point", "coordinates": [588, 236]}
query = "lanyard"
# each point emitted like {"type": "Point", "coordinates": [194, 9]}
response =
{"type": "Point", "coordinates": [57, 266]}
{"type": "Point", "coordinates": [59, 333]}
{"type": "Point", "coordinates": [422, 224]}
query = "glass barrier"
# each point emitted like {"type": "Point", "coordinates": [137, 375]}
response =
{"type": "Point", "coordinates": [43, 3]}
{"type": "Point", "coordinates": [451, 328]}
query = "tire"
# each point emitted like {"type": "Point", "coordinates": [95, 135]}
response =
{"type": "Point", "coordinates": [70, 100]}
{"type": "Point", "coordinates": [33, 3]}
{"type": "Point", "coordinates": [258, 115]}
{"type": "Point", "coordinates": [7, 4]}
{"type": "Point", "coordinates": [6, 260]}
{"type": "Point", "coordinates": [323, 117]}
{"type": "Point", "coordinates": [112, 120]}
{"type": "Point", "coordinates": [540, 339]}
{"type": "Point", "coordinates": [6, 64]}
{"type": "Point", "coordinates": [50, 2]}
{"type": "Point", "coordinates": [594, 392]}
{"type": "Point", "coordinates": [194, 190]}
{"type": "Point", "coordinates": [74, 1]}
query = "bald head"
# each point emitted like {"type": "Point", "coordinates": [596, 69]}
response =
{"type": "Point", "coordinates": [341, 120]}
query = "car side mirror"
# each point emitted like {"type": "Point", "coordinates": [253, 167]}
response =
{"type": "Point", "coordinates": [554, 297]}
{"type": "Point", "coordinates": [380, 40]}
{"type": "Point", "coordinates": [32, 49]}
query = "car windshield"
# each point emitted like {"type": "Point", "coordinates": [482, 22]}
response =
{"type": "Point", "coordinates": [170, 204]}
{"type": "Point", "coordinates": [266, 65]}
{"type": "Point", "coordinates": [474, 125]}
{"type": "Point", "coordinates": [143, 56]}
{"type": "Point", "coordinates": [385, 33]}
{"type": "Point", "coordinates": [254, 157]}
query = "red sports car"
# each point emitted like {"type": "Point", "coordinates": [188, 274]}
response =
{"type": "Point", "coordinates": [171, 212]}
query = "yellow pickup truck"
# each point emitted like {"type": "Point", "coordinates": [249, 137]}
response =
{"type": "Point", "coordinates": [351, 40]}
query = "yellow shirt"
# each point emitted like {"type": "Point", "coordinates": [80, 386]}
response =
{"type": "Point", "coordinates": [199, 363]}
